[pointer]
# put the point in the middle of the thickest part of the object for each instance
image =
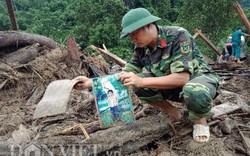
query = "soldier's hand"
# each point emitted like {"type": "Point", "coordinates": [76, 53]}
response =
{"type": "Point", "coordinates": [131, 79]}
{"type": "Point", "coordinates": [84, 83]}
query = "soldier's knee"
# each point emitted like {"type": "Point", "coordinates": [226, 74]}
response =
{"type": "Point", "coordinates": [197, 97]}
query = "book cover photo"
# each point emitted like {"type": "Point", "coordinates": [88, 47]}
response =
{"type": "Point", "coordinates": [112, 100]}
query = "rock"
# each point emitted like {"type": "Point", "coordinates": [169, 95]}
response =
{"type": "Point", "coordinates": [240, 149]}
{"type": "Point", "coordinates": [227, 125]}
{"type": "Point", "coordinates": [193, 145]}
{"type": "Point", "coordinates": [21, 136]}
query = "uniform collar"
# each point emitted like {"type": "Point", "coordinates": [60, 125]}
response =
{"type": "Point", "coordinates": [161, 41]}
{"type": "Point", "coordinates": [162, 38]}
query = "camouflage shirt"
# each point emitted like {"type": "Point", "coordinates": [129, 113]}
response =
{"type": "Point", "coordinates": [174, 52]}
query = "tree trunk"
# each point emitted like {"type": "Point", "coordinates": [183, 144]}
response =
{"type": "Point", "coordinates": [126, 139]}
{"type": "Point", "coordinates": [11, 14]}
{"type": "Point", "coordinates": [23, 55]}
{"type": "Point", "coordinates": [15, 38]}
{"type": "Point", "coordinates": [242, 16]}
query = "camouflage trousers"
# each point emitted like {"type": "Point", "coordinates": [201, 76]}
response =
{"type": "Point", "coordinates": [197, 94]}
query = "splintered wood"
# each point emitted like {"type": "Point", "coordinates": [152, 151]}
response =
{"type": "Point", "coordinates": [109, 55]}
{"type": "Point", "coordinates": [70, 129]}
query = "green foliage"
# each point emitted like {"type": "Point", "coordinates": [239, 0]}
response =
{"type": "Point", "coordinates": [5, 20]}
{"type": "Point", "coordinates": [101, 22]}
{"type": "Point", "coordinates": [54, 19]}
{"type": "Point", "coordinates": [216, 19]}
{"type": "Point", "coordinates": [98, 22]}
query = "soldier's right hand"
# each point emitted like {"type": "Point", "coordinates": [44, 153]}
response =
{"type": "Point", "coordinates": [84, 83]}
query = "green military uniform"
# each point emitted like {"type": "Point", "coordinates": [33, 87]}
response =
{"type": "Point", "coordinates": [236, 41]}
{"type": "Point", "coordinates": [176, 52]}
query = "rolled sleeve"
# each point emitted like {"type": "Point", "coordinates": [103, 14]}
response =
{"type": "Point", "coordinates": [131, 68]}
{"type": "Point", "coordinates": [135, 64]}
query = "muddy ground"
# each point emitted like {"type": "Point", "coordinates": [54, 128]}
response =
{"type": "Point", "coordinates": [22, 86]}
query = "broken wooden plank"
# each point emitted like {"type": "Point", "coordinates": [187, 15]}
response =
{"type": "Point", "coordinates": [109, 55]}
{"type": "Point", "coordinates": [246, 140]}
{"type": "Point", "coordinates": [70, 129]}
{"type": "Point", "coordinates": [242, 16]}
{"type": "Point", "coordinates": [205, 56]}
{"type": "Point", "coordinates": [73, 48]}
{"type": "Point", "coordinates": [195, 35]}
{"type": "Point", "coordinates": [215, 49]}
{"type": "Point", "coordinates": [84, 131]}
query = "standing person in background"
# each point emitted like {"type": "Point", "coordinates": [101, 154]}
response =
{"type": "Point", "coordinates": [236, 43]}
{"type": "Point", "coordinates": [176, 70]}
{"type": "Point", "coordinates": [225, 56]}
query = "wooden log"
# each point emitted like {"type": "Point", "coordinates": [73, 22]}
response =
{"type": "Point", "coordinates": [56, 55]}
{"type": "Point", "coordinates": [5, 67]}
{"type": "Point", "coordinates": [127, 138]}
{"type": "Point", "coordinates": [242, 16]}
{"type": "Point", "coordinates": [17, 38]}
{"type": "Point", "coordinates": [22, 55]}
{"type": "Point", "coordinates": [109, 55]}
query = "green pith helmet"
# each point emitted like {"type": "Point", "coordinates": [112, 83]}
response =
{"type": "Point", "coordinates": [135, 19]}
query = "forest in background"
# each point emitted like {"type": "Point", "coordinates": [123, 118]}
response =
{"type": "Point", "coordinates": [98, 22]}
